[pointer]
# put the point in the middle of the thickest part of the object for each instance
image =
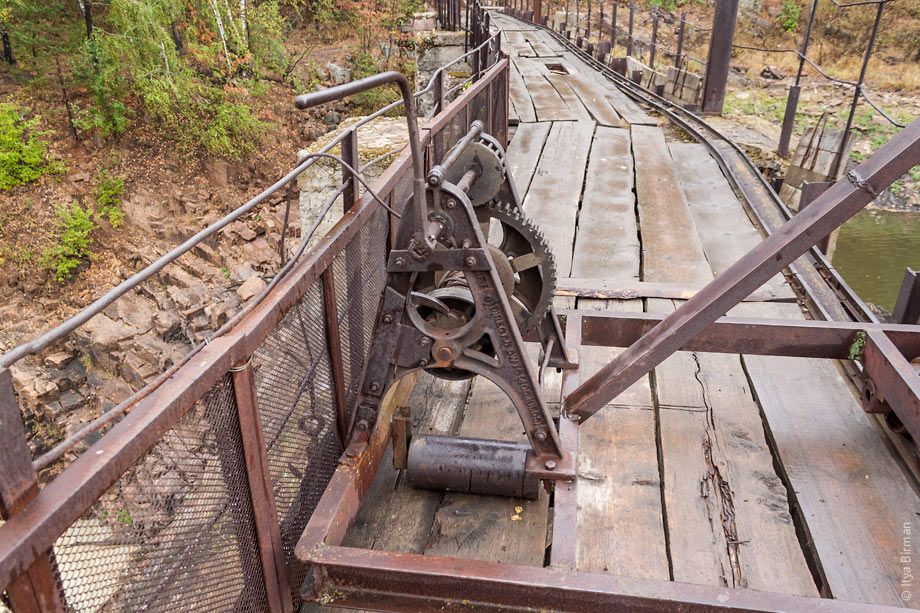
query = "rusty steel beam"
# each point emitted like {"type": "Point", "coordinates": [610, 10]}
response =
{"type": "Point", "coordinates": [907, 307]}
{"type": "Point", "coordinates": [781, 248]}
{"type": "Point", "coordinates": [895, 379]}
{"type": "Point", "coordinates": [385, 581]}
{"type": "Point", "coordinates": [804, 338]}
{"type": "Point", "coordinates": [265, 517]}
{"type": "Point", "coordinates": [34, 589]}
{"type": "Point", "coordinates": [719, 59]}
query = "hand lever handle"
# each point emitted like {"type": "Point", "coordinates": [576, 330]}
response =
{"type": "Point", "coordinates": [305, 101]}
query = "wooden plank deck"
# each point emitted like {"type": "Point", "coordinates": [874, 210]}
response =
{"type": "Point", "coordinates": [724, 470]}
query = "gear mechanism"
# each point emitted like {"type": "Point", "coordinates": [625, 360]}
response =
{"type": "Point", "coordinates": [529, 257]}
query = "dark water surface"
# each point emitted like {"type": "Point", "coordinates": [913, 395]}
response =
{"type": "Point", "coordinates": [873, 249]}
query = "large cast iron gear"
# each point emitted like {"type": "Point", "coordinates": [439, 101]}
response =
{"type": "Point", "coordinates": [531, 260]}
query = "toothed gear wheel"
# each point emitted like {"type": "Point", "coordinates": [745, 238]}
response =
{"type": "Point", "coordinates": [531, 261]}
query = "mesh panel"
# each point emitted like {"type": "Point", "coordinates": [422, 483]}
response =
{"type": "Point", "coordinates": [175, 532]}
{"type": "Point", "coordinates": [360, 275]}
{"type": "Point", "coordinates": [295, 388]}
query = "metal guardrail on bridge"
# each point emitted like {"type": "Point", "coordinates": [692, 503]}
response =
{"type": "Point", "coordinates": [196, 497]}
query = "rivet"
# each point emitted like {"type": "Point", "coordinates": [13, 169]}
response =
{"type": "Point", "coordinates": [400, 262]}
{"type": "Point", "coordinates": [451, 203]}
{"type": "Point", "coordinates": [375, 387]}
{"type": "Point", "coordinates": [540, 434]}
{"type": "Point", "coordinates": [387, 319]}
{"type": "Point", "coordinates": [470, 261]}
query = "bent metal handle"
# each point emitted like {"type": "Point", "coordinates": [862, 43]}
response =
{"type": "Point", "coordinates": [305, 101]}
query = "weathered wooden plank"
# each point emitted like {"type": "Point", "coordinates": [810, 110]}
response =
{"type": "Point", "coordinates": [520, 97]}
{"type": "Point", "coordinates": [552, 200]}
{"type": "Point", "coordinates": [396, 517]}
{"type": "Point", "coordinates": [627, 109]}
{"type": "Point", "coordinates": [592, 94]}
{"type": "Point", "coordinates": [628, 290]}
{"type": "Point", "coordinates": [607, 244]}
{"type": "Point", "coordinates": [524, 153]}
{"type": "Point", "coordinates": [729, 522]}
{"type": "Point", "coordinates": [858, 508]}
{"type": "Point", "coordinates": [620, 526]}
{"type": "Point", "coordinates": [726, 232]}
{"type": "Point", "coordinates": [569, 97]}
{"type": "Point", "coordinates": [496, 528]}
{"type": "Point", "coordinates": [529, 67]}
{"type": "Point", "coordinates": [671, 246]}
{"type": "Point", "coordinates": [544, 37]}
{"type": "Point", "coordinates": [547, 103]}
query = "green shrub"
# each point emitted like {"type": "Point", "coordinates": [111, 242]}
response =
{"type": "Point", "coordinates": [789, 17]}
{"type": "Point", "coordinates": [366, 103]}
{"type": "Point", "coordinates": [97, 68]}
{"type": "Point", "coordinates": [108, 198]}
{"type": "Point", "coordinates": [72, 240]}
{"type": "Point", "coordinates": [22, 148]}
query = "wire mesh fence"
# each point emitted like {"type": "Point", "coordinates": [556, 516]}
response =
{"type": "Point", "coordinates": [175, 532]}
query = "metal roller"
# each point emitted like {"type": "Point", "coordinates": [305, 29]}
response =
{"type": "Point", "coordinates": [470, 465]}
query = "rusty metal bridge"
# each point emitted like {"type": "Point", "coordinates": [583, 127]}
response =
{"type": "Point", "coordinates": [650, 452]}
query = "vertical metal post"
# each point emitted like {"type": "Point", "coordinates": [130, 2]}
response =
{"type": "Point", "coordinates": [537, 11]}
{"type": "Point", "coordinates": [629, 40]}
{"type": "Point", "coordinates": [334, 344]}
{"type": "Point", "coordinates": [680, 39]}
{"type": "Point", "coordinates": [35, 590]}
{"type": "Point", "coordinates": [613, 28]}
{"type": "Point", "coordinates": [838, 160]}
{"type": "Point", "coordinates": [720, 53]}
{"type": "Point", "coordinates": [438, 92]}
{"type": "Point", "coordinates": [792, 101]}
{"type": "Point", "coordinates": [600, 25]}
{"type": "Point", "coordinates": [265, 516]}
{"type": "Point", "coordinates": [651, 59]}
{"type": "Point", "coordinates": [351, 195]}
{"type": "Point", "coordinates": [907, 308]}
{"type": "Point", "coordinates": [588, 27]}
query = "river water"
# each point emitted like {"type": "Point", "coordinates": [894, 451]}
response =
{"type": "Point", "coordinates": [873, 249]}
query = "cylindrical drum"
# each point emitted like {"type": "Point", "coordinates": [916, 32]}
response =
{"type": "Point", "coordinates": [474, 466]}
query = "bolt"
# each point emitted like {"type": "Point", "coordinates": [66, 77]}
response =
{"type": "Point", "coordinates": [470, 261]}
{"type": "Point", "coordinates": [375, 387]}
{"type": "Point", "coordinates": [451, 203]}
{"type": "Point", "coordinates": [550, 465]}
{"type": "Point", "coordinates": [387, 319]}
{"type": "Point", "coordinates": [445, 354]}
{"type": "Point", "coordinates": [466, 244]}
{"type": "Point", "coordinates": [400, 262]}
{"type": "Point", "coordinates": [540, 434]}
{"type": "Point", "coordinates": [362, 426]}
{"type": "Point", "coordinates": [423, 363]}
{"type": "Point", "coordinates": [425, 341]}
{"type": "Point", "coordinates": [487, 299]}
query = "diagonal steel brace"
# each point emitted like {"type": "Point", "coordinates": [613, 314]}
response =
{"type": "Point", "coordinates": [836, 205]}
